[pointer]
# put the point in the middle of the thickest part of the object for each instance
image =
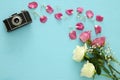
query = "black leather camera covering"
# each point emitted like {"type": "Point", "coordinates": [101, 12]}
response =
{"type": "Point", "coordinates": [26, 19]}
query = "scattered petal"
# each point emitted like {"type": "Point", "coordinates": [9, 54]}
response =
{"type": "Point", "coordinates": [89, 14]}
{"type": "Point", "coordinates": [69, 11]}
{"type": "Point", "coordinates": [43, 19]}
{"type": "Point", "coordinates": [79, 26]}
{"type": "Point", "coordinates": [33, 5]}
{"type": "Point", "coordinates": [49, 9]}
{"type": "Point", "coordinates": [99, 18]}
{"type": "Point", "coordinates": [58, 16]}
{"type": "Point", "coordinates": [80, 10]}
{"type": "Point", "coordinates": [85, 36]}
{"type": "Point", "coordinates": [72, 35]}
{"type": "Point", "coordinates": [98, 29]}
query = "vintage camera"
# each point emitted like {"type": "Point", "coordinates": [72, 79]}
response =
{"type": "Point", "coordinates": [17, 20]}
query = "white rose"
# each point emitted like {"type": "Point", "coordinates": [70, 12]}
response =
{"type": "Point", "coordinates": [88, 70]}
{"type": "Point", "coordinates": [79, 52]}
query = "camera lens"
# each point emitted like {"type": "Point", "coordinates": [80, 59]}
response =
{"type": "Point", "coordinates": [16, 20]}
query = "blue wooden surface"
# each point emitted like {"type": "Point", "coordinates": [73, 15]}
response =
{"type": "Point", "coordinates": [44, 51]}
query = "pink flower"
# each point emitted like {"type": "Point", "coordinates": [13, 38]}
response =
{"type": "Point", "coordinates": [99, 18]}
{"type": "Point", "coordinates": [85, 36]}
{"type": "Point", "coordinates": [89, 14]}
{"type": "Point", "coordinates": [33, 5]}
{"type": "Point", "coordinates": [98, 42]}
{"type": "Point", "coordinates": [69, 11]}
{"type": "Point", "coordinates": [79, 26]}
{"type": "Point", "coordinates": [43, 19]}
{"type": "Point", "coordinates": [98, 29]}
{"type": "Point", "coordinates": [72, 35]}
{"type": "Point", "coordinates": [49, 9]}
{"type": "Point", "coordinates": [58, 16]}
{"type": "Point", "coordinates": [80, 10]}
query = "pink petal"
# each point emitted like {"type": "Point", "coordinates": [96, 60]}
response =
{"type": "Point", "coordinates": [80, 10]}
{"type": "Point", "coordinates": [69, 11]}
{"type": "Point", "coordinates": [89, 14]}
{"type": "Point", "coordinates": [33, 5]}
{"type": "Point", "coordinates": [99, 18]}
{"type": "Point", "coordinates": [72, 35]}
{"type": "Point", "coordinates": [58, 16]}
{"type": "Point", "coordinates": [99, 42]}
{"type": "Point", "coordinates": [98, 29]}
{"type": "Point", "coordinates": [85, 36]}
{"type": "Point", "coordinates": [49, 9]}
{"type": "Point", "coordinates": [79, 26]}
{"type": "Point", "coordinates": [43, 19]}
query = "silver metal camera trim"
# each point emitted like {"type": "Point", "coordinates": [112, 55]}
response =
{"type": "Point", "coordinates": [18, 17]}
{"type": "Point", "coordinates": [20, 25]}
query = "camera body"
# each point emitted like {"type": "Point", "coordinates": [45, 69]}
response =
{"type": "Point", "coordinates": [17, 20]}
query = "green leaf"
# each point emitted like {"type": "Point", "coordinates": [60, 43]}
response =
{"type": "Point", "coordinates": [101, 62]}
{"type": "Point", "coordinates": [98, 69]}
{"type": "Point", "coordinates": [96, 54]}
{"type": "Point", "coordinates": [89, 42]}
{"type": "Point", "coordinates": [97, 61]}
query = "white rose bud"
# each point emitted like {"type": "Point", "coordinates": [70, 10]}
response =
{"type": "Point", "coordinates": [79, 52]}
{"type": "Point", "coordinates": [88, 70]}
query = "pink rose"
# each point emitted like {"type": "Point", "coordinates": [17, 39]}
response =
{"type": "Point", "coordinates": [85, 36]}
{"type": "Point", "coordinates": [98, 42]}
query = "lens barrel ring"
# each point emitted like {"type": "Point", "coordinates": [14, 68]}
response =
{"type": "Point", "coordinates": [16, 20]}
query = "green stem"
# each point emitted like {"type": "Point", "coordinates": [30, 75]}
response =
{"type": "Point", "coordinates": [107, 76]}
{"type": "Point", "coordinates": [106, 70]}
{"type": "Point", "coordinates": [36, 13]}
{"type": "Point", "coordinates": [111, 70]}
{"type": "Point", "coordinates": [87, 57]}
{"type": "Point", "coordinates": [114, 69]}
{"type": "Point", "coordinates": [116, 61]}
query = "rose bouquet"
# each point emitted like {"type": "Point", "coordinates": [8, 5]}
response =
{"type": "Point", "coordinates": [97, 56]}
